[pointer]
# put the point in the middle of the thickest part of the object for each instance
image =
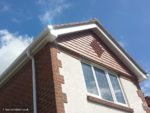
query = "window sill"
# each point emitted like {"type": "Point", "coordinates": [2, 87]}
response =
{"type": "Point", "coordinates": [109, 104]}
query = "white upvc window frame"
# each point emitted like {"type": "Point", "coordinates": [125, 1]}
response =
{"type": "Point", "coordinates": [106, 71]}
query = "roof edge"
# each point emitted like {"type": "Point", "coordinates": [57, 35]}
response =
{"type": "Point", "coordinates": [42, 38]}
{"type": "Point", "coordinates": [50, 33]}
{"type": "Point", "coordinates": [94, 24]}
{"type": "Point", "coordinates": [94, 20]}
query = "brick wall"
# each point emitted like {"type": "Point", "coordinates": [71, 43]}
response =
{"type": "Point", "coordinates": [45, 83]}
{"type": "Point", "coordinates": [17, 92]}
{"type": "Point", "coordinates": [60, 97]}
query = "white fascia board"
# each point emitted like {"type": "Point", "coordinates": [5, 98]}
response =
{"type": "Point", "coordinates": [141, 76]}
{"type": "Point", "coordinates": [56, 32]}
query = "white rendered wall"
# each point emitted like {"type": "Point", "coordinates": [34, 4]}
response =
{"type": "Point", "coordinates": [75, 89]}
{"type": "Point", "coordinates": [132, 96]}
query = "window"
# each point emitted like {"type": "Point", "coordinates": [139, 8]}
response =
{"type": "Point", "coordinates": [89, 78]}
{"type": "Point", "coordinates": [103, 84]}
{"type": "Point", "coordinates": [117, 89]}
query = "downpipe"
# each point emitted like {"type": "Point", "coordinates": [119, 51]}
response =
{"type": "Point", "coordinates": [33, 82]}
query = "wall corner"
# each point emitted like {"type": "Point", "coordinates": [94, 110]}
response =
{"type": "Point", "coordinates": [60, 97]}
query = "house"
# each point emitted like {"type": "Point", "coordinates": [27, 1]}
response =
{"type": "Point", "coordinates": [73, 68]}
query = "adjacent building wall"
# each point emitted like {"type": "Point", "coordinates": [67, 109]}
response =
{"type": "Point", "coordinates": [16, 94]}
{"type": "Point", "coordinates": [147, 98]}
{"type": "Point", "coordinates": [75, 90]}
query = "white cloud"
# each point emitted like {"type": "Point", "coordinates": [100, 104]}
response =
{"type": "Point", "coordinates": [51, 9]}
{"type": "Point", "coordinates": [121, 43]}
{"type": "Point", "coordinates": [21, 16]}
{"type": "Point", "coordinates": [11, 46]}
{"type": "Point", "coordinates": [4, 7]}
{"type": "Point", "coordinates": [15, 20]}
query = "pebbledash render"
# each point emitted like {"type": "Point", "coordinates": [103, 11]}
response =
{"type": "Point", "coordinates": [73, 68]}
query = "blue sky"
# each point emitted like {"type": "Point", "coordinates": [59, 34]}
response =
{"type": "Point", "coordinates": [128, 21]}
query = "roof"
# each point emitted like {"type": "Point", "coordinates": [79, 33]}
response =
{"type": "Point", "coordinates": [100, 25]}
{"type": "Point", "coordinates": [147, 98]}
{"type": "Point", "coordinates": [50, 33]}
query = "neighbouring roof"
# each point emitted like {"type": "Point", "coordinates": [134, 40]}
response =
{"type": "Point", "coordinates": [50, 33]}
{"type": "Point", "coordinates": [147, 98]}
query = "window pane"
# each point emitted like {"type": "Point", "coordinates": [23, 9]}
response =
{"type": "Point", "coordinates": [89, 79]}
{"type": "Point", "coordinates": [117, 89]}
{"type": "Point", "coordinates": [103, 84]}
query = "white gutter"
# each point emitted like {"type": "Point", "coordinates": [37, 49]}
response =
{"type": "Point", "coordinates": [23, 56]}
{"type": "Point", "coordinates": [44, 37]}
{"type": "Point", "coordinates": [33, 82]}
